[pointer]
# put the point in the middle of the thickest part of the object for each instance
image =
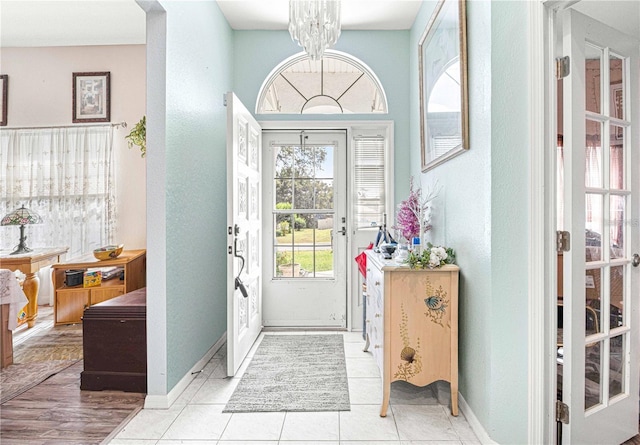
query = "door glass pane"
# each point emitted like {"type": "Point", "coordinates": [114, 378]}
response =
{"type": "Point", "coordinates": [616, 229]}
{"type": "Point", "coordinates": [324, 162]}
{"type": "Point", "coordinates": [323, 251]}
{"type": "Point", "coordinates": [592, 320]}
{"type": "Point", "coordinates": [616, 71]}
{"type": "Point", "coordinates": [616, 366]}
{"type": "Point", "coordinates": [593, 301]}
{"type": "Point", "coordinates": [284, 193]}
{"type": "Point", "coordinates": [286, 264]}
{"type": "Point", "coordinates": [593, 154]}
{"type": "Point", "coordinates": [593, 224]}
{"type": "Point", "coordinates": [593, 375]}
{"type": "Point", "coordinates": [616, 308]}
{"type": "Point", "coordinates": [323, 194]}
{"type": "Point", "coordinates": [304, 185]}
{"type": "Point", "coordinates": [303, 194]}
{"type": "Point", "coordinates": [592, 63]}
{"type": "Point", "coordinates": [283, 228]}
{"type": "Point", "coordinates": [616, 158]}
{"type": "Point", "coordinates": [283, 161]}
{"type": "Point", "coordinates": [304, 161]}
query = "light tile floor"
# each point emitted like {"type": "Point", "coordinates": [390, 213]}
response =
{"type": "Point", "coordinates": [414, 418]}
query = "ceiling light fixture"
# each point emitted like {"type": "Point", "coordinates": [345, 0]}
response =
{"type": "Point", "coordinates": [314, 25]}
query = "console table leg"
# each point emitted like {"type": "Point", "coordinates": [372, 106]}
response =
{"type": "Point", "coordinates": [386, 392]}
{"type": "Point", "coordinates": [31, 286]}
{"type": "Point", "coordinates": [454, 399]}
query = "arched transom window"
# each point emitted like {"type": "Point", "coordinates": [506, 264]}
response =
{"type": "Point", "coordinates": [336, 84]}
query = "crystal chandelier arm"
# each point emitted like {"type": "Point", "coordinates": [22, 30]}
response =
{"type": "Point", "coordinates": [314, 25]}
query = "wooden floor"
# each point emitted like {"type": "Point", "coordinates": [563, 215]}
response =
{"type": "Point", "coordinates": [633, 441]}
{"type": "Point", "coordinates": [58, 412]}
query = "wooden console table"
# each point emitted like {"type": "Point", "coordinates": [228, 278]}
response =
{"type": "Point", "coordinates": [29, 264]}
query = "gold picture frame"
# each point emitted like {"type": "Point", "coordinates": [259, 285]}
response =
{"type": "Point", "coordinates": [442, 62]}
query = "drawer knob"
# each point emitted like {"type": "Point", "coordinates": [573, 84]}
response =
{"type": "Point", "coordinates": [377, 315]}
{"type": "Point", "coordinates": [368, 321]}
{"type": "Point", "coordinates": [377, 283]}
{"type": "Point", "coordinates": [377, 346]}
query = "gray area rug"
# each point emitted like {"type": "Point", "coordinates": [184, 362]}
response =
{"type": "Point", "coordinates": [294, 373]}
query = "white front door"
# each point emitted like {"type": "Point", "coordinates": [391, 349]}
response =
{"type": "Point", "coordinates": [601, 143]}
{"type": "Point", "coordinates": [244, 232]}
{"type": "Point", "coordinates": [305, 236]}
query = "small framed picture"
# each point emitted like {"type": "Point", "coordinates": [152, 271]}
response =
{"type": "Point", "coordinates": [91, 97]}
{"type": "Point", "coordinates": [4, 96]}
{"type": "Point", "coordinates": [617, 108]}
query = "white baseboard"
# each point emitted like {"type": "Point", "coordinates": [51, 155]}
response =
{"type": "Point", "coordinates": [474, 423]}
{"type": "Point", "coordinates": [165, 401]}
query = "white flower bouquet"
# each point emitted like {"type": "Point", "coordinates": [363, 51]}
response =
{"type": "Point", "coordinates": [432, 257]}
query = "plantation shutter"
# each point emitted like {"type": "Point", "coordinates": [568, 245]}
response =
{"type": "Point", "coordinates": [369, 179]}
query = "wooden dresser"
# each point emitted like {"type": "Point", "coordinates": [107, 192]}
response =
{"type": "Point", "coordinates": [412, 324]}
{"type": "Point", "coordinates": [71, 301]}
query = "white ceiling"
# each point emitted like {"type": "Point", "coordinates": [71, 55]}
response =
{"type": "Point", "coordinates": [356, 14]}
{"type": "Point", "coordinates": [113, 22]}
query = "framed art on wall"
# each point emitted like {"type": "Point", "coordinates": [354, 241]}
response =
{"type": "Point", "coordinates": [91, 97]}
{"type": "Point", "coordinates": [4, 96]}
{"type": "Point", "coordinates": [617, 109]}
{"type": "Point", "coordinates": [442, 62]}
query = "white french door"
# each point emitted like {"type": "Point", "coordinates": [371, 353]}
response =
{"type": "Point", "coordinates": [305, 230]}
{"type": "Point", "coordinates": [244, 232]}
{"type": "Point", "coordinates": [600, 304]}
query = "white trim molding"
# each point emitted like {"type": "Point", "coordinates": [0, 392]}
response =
{"type": "Point", "coordinates": [165, 401]}
{"type": "Point", "coordinates": [537, 211]}
{"type": "Point", "coordinates": [474, 423]}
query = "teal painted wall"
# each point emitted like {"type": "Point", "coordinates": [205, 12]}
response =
{"type": "Point", "coordinates": [199, 46]}
{"type": "Point", "coordinates": [509, 219]}
{"type": "Point", "coordinates": [481, 212]}
{"type": "Point", "coordinates": [385, 52]}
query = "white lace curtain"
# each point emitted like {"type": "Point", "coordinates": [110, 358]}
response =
{"type": "Point", "coordinates": [66, 176]}
{"type": "Point", "coordinates": [593, 203]}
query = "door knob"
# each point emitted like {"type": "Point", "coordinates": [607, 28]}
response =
{"type": "Point", "coordinates": [635, 262]}
{"type": "Point", "coordinates": [343, 231]}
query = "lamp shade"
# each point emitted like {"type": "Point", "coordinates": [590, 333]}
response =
{"type": "Point", "coordinates": [21, 217]}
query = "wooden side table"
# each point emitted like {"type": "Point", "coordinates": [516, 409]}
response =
{"type": "Point", "coordinates": [29, 264]}
{"type": "Point", "coordinates": [71, 301]}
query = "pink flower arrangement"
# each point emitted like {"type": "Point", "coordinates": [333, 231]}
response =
{"type": "Point", "coordinates": [412, 218]}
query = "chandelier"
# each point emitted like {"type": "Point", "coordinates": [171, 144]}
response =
{"type": "Point", "coordinates": [314, 25]}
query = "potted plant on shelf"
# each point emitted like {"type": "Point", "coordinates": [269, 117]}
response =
{"type": "Point", "coordinates": [138, 136]}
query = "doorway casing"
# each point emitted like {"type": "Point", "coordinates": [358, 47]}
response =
{"type": "Point", "coordinates": [352, 128]}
